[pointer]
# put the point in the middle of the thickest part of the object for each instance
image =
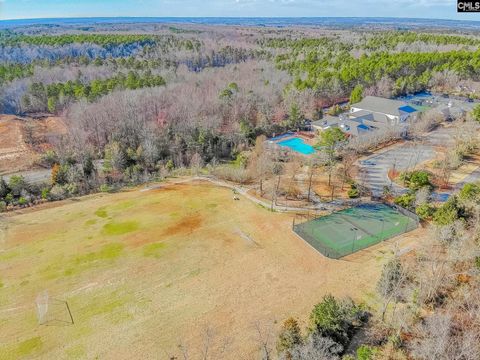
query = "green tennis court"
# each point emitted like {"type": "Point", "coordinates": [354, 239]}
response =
{"type": "Point", "coordinates": [347, 231]}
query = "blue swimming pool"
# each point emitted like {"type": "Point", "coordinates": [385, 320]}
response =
{"type": "Point", "coordinates": [298, 145]}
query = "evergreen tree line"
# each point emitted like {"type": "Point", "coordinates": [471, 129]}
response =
{"type": "Point", "coordinates": [51, 97]}
{"type": "Point", "coordinates": [65, 39]}
{"type": "Point", "coordinates": [384, 40]}
{"type": "Point", "coordinates": [9, 72]}
{"type": "Point", "coordinates": [297, 46]}
{"type": "Point", "coordinates": [410, 72]}
{"type": "Point", "coordinates": [389, 40]}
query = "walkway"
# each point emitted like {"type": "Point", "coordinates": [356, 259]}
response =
{"type": "Point", "coordinates": [243, 190]}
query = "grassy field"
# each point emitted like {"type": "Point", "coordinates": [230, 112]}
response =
{"type": "Point", "coordinates": [145, 271]}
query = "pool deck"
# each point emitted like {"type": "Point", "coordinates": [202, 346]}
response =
{"type": "Point", "coordinates": [292, 135]}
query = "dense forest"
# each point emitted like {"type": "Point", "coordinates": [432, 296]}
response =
{"type": "Point", "coordinates": [213, 90]}
{"type": "Point", "coordinates": [139, 105]}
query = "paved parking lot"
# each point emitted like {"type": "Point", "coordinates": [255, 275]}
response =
{"type": "Point", "coordinates": [374, 169]}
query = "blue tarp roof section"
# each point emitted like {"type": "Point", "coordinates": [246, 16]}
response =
{"type": "Point", "coordinates": [363, 127]}
{"type": "Point", "coordinates": [407, 109]}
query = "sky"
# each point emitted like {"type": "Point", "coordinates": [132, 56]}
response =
{"type": "Point", "coordinates": [26, 9]}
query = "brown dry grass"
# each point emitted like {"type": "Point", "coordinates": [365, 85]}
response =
{"type": "Point", "coordinates": [322, 189]}
{"type": "Point", "coordinates": [190, 257]}
{"type": "Point", "coordinates": [299, 185]}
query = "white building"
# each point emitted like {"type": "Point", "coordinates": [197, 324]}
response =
{"type": "Point", "coordinates": [382, 110]}
{"type": "Point", "coordinates": [370, 114]}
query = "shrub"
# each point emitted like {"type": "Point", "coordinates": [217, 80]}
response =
{"type": "Point", "coordinates": [106, 188]}
{"type": "Point", "coordinates": [134, 173]}
{"type": "Point", "coordinates": [477, 262]}
{"type": "Point", "coordinates": [71, 188]}
{"type": "Point", "coordinates": [17, 184]}
{"type": "Point", "coordinates": [170, 165]}
{"type": "Point", "coordinates": [395, 339]}
{"type": "Point", "coordinates": [335, 319]}
{"type": "Point", "coordinates": [290, 335]}
{"type": "Point", "coordinates": [419, 179]}
{"type": "Point", "coordinates": [45, 193]}
{"type": "Point", "coordinates": [59, 174]}
{"type": "Point", "coordinates": [225, 94]}
{"type": "Point", "coordinates": [416, 179]}
{"type": "Point", "coordinates": [3, 188]}
{"type": "Point", "coordinates": [50, 158]}
{"type": "Point", "coordinates": [57, 193]}
{"type": "Point", "coordinates": [3, 206]}
{"type": "Point", "coordinates": [9, 198]}
{"type": "Point", "coordinates": [424, 211]}
{"type": "Point", "coordinates": [366, 352]}
{"type": "Point", "coordinates": [405, 200]}
{"type": "Point", "coordinates": [22, 201]}
{"type": "Point", "coordinates": [241, 160]}
{"type": "Point", "coordinates": [469, 192]}
{"type": "Point", "coordinates": [475, 114]}
{"type": "Point", "coordinates": [448, 212]}
{"type": "Point", "coordinates": [353, 192]}
{"type": "Point", "coordinates": [327, 317]}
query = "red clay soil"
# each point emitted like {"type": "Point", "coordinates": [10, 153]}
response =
{"type": "Point", "coordinates": [184, 226]}
{"type": "Point", "coordinates": [16, 152]}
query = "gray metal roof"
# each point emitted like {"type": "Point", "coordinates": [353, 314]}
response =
{"type": "Point", "coordinates": [371, 117]}
{"type": "Point", "coordinates": [350, 126]}
{"type": "Point", "coordinates": [326, 121]}
{"type": "Point", "coordinates": [380, 105]}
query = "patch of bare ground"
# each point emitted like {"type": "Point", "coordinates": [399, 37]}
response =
{"type": "Point", "coordinates": [22, 140]}
{"type": "Point", "coordinates": [293, 191]}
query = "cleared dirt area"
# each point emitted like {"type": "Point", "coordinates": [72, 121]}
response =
{"type": "Point", "coordinates": [145, 271]}
{"type": "Point", "coordinates": [23, 139]}
{"type": "Point", "coordinates": [293, 190]}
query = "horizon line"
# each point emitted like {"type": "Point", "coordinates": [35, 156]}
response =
{"type": "Point", "coordinates": [236, 17]}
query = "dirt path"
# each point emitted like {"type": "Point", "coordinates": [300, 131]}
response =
{"type": "Point", "coordinates": [243, 190]}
